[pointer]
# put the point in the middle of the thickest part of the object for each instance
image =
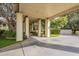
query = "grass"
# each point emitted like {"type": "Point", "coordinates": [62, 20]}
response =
{"type": "Point", "coordinates": [6, 42]}
{"type": "Point", "coordinates": [54, 35]}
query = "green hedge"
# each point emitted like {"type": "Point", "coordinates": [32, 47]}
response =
{"type": "Point", "coordinates": [10, 33]}
{"type": "Point", "coordinates": [55, 31]}
{"type": "Point", "coordinates": [2, 33]}
{"type": "Point", "coordinates": [34, 33]}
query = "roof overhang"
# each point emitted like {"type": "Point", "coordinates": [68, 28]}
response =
{"type": "Point", "coordinates": [45, 10]}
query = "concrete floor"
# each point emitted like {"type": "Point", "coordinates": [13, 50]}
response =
{"type": "Point", "coordinates": [54, 46]}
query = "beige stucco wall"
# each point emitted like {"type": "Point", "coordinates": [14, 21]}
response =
{"type": "Point", "coordinates": [43, 10]}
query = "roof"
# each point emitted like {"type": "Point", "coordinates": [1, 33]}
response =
{"type": "Point", "coordinates": [44, 10]}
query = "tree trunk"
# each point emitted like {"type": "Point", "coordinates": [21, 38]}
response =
{"type": "Point", "coordinates": [73, 31]}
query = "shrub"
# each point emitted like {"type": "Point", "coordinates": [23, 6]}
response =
{"type": "Point", "coordinates": [34, 33]}
{"type": "Point", "coordinates": [10, 34]}
{"type": "Point", "coordinates": [55, 31]}
{"type": "Point", "coordinates": [2, 33]}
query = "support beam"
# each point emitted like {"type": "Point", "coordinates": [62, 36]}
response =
{"type": "Point", "coordinates": [19, 27]}
{"type": "Point", "coordinates": [47, 28]}
{"type": "Point", "coordinates": [39, 28]}
{"type": "Point", "coordinates": [27, 27]}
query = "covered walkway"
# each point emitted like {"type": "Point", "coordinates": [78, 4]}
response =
{"type": "Point", "coordinates": [32, 12]}
{"type": "Point", "coordinates": [38, 45]}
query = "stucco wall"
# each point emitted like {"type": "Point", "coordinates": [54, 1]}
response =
{"type": "Point", "coordinates": [66, 32]}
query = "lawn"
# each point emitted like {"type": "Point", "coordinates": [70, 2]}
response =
{"type": "Point", "coordinates": [6, 42]}
{"type": "Point", "coordinates": [55, 35]}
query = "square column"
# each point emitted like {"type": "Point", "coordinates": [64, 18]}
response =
{"type": "Point", "coordinates": [27, 27]}
{"type": "Point", "coordinates": [47, 28]}
{"type": "Point", "coordinates": [39, 28]}
{"type": "Point", "coordinates": [19, 27]}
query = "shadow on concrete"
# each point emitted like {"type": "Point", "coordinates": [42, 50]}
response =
{"type": "Point", "coordinates": [57, 46]}
{"type": "Point", "coordinates": [42, 44]}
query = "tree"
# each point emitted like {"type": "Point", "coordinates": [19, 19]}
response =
{"type": "Point", "coordinates": [73, 21]}
{"type": "Point", "coordinates": [59, 22]}
{"type": "Point", "coordinates": [6, 11]}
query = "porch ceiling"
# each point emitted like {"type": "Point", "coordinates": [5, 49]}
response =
{"type": "Point", "coordinates": [41, 10]}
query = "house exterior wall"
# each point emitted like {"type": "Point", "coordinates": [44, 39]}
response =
{"type": "Point", "coordinates": [66, 32]}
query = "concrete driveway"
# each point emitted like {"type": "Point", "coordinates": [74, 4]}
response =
{"type": "Point", "coordinates": [41, 46]}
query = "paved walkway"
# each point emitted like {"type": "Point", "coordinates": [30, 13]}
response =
{"type": "Point", "coordinates": [37, 46]}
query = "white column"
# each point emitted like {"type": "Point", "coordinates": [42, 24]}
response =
{"type": "Point", "coordinates": [39, 28]}
{"type": "Point", "coordinates": [47, 28]}
{"type": "Point", "coordinates": [27, 27]}
{"type": "Point", "coordinates": [19, 27]}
